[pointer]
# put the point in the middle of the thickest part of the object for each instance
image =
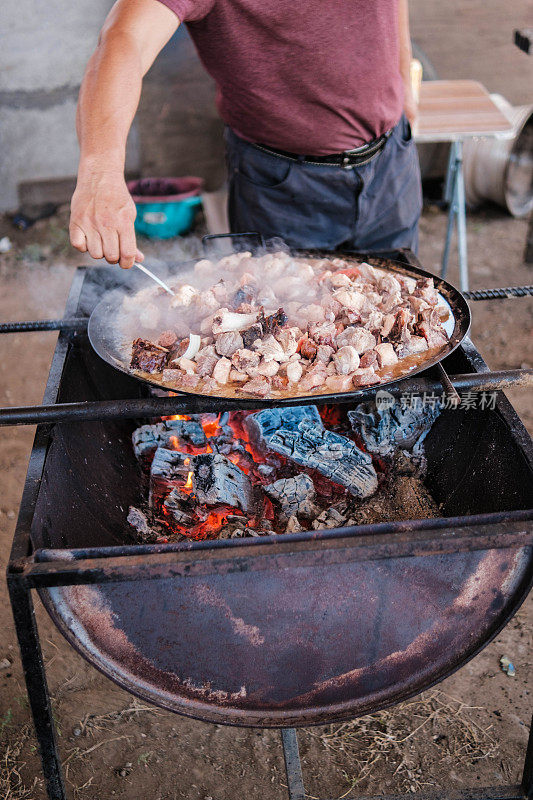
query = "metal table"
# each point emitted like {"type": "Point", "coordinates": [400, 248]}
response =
{"type": "Point", "coordinates": [452, 111]}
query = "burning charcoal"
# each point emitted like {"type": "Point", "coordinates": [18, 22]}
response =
{"type": "Point", "coordinates": [264, 424]}
{"type": "Point", "coordinates": [147, 438]}
{"type": "Point", "coordinates": [383, 430]}
{"type": "Point", "coordinates": [330, 518]}
{"type": "Point", "coordinates": [179, 506]}
{"type": "Point", "coordinates": [139, 521]}
{"type": "Point", "coordinates": [293, 525]}
{"type": "Point", "coordinates": [334, 456]}
{"type": "Point", "coordinates": [293, 496]}
{"type": "Point", "coordinates": [147, 356]}
{"type": "Point", "coordinates": [170, 464]}
{"type": "Point", "coordinates": [217, 481]}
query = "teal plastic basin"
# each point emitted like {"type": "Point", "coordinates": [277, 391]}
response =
{"type": "Point", "coordinates": [166, 207]}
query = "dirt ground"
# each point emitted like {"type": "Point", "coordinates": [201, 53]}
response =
{"type": "Point", "coordinates": [470, 732]}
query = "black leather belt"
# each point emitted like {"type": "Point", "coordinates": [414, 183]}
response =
{"type": "Point", "coordinates": [347, 159]}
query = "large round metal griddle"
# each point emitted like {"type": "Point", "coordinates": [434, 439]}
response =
{"type": "Point", "coordinates": [102, 331]}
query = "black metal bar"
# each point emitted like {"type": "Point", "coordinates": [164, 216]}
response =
{"type": "Point", "coordinates": [527, 777]}
{"type": "Point", "coordinates": [196, 404]}
{"type": "Point", "coordinates": [271, 554]}
{"type": "Point", "coordinates": [36, 685]}
{"type": "Point", "coordinates": [499, 294]}
{"type": "Point", "coordinates": [293, 766]}
{"type": "Point", "coordinates": [513, 518]}
{"type": "Point", "coordinates": [44, 325]}
{"type": "Point", "coordinates": [447, 385]}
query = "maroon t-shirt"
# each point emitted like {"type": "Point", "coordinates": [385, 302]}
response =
{"type": "Point", "coordinates": [307, 76]}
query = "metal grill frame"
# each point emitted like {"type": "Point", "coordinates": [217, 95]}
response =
{"type": "Point", "coordinates": [29, 570]}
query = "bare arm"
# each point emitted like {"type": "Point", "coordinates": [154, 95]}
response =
{"type": "Point", "coordinates": [102, 211]}
{"type": "Point", "coordinates": [406, 54]}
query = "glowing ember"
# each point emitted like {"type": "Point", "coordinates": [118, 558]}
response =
{"type": "Point", "coordinates": [188, 484]}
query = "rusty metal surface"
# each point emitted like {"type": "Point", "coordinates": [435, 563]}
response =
{"type": "Point", "coordinates": [296, 646]}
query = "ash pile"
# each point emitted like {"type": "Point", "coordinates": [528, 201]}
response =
{"type": "Point", "coordinates": [276, 471]}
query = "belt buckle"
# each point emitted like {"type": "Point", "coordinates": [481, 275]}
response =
{"type": "Point", "coordinates": [346, 162]}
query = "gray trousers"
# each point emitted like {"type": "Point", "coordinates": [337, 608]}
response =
{"type": "Point", "coordinates": [370, 208]}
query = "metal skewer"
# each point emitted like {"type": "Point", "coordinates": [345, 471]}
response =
{"type": "Point", "coordinates": [154, 277]}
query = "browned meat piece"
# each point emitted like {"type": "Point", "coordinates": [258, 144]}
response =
{"type": "Point", "coordinates": [386, 355]}
{"type": "Point", "coordinates": [346, 360]}
{"type": "Point", "coordinates": [167, 339]}
{"type": "Point", "coordinates": [274, 322]}
{"type": "Point", "coordinates": [308, 349]}
{"type": "Point", "coordinates": [238, 377]}
{"type": "Point", "coordinates": [270, 349]}
{"type": "Point", "coordinates": [434, 336]}
{"type": "Point", "coordinates": [350, 298]}
{"type": "Point", "coordinates": [221, 370]}
{"type": "Point", "coordinates": [245, 308]}
{"type": "Point", "coordinates": [293, 370]}
{"type": "Point", "coordinates": [279, 382]}
{"type": "Point", "coordinates": [323, 333]}
{"type": "Point", "coordinates": [227, 343]}
{"type": "Point", "coordinates": [408, 284]}
{"type": "Point", "coordinates": [324, 353]}
{"type": "Point", "coordinates": [251, 334]}
{"type": "Point", "coordinates": [312, 379]}
{"type": "Point", "coordinates": [206, 358]}
{"type": "Point", "coordinates": [244, 360]}
{"type": "Point", "coordinates": [425, 289]}
{"type": "Point", "coordinates": [339, 383]}
{"type": "Point", "coordinates": [359, 338]}
{"type": "Point", "coordinates": [259, 387]}
{"type": "Point", "coordinates": [416, 344]}
{"type": "Point", "coordinates": [399, 332]}
{"type": "Point", "coordinates": [180, 380]}
{"type": "Point", "coordinates": [429, 326]}
{"type": "Point", "coordinates": [369, 359]}
{"type": "Point", "coordinates": [268, 368]}
{"type": "Point", "coordinates": [365, 377]}
{"type": "Point", "coordinates": [388, 322]}
{"type": "Point", "coordinates": [288, 339]}
{"type": "Point", "coordinates": [147, 356]}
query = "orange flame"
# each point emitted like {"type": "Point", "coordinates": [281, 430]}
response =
{"type": "Point", "coordinates": [188, 484]}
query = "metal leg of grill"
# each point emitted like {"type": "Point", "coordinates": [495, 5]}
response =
{"type": "Point", "coordinates": [293, 766]}
{"type": "Point", "coordinates": [527, 778]}
{"type": "Point", "coordinates": [454, 194]}
{"type": "Point", "coordinates": [36, 684]}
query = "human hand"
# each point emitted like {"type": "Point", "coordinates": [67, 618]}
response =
{"type": "Point", "coordinates": [102, 214]}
